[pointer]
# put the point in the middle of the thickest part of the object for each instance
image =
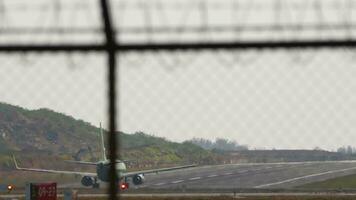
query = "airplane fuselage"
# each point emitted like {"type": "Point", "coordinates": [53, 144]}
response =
{"type": "Point", "coordinates": [103, 170]}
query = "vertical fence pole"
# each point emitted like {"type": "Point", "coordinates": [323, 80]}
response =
{"type": "Point", "coordinates": [111, 52]}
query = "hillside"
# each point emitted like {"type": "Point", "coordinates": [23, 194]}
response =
{"type": "Point", "coordinates": [29, 133]}
{"type": "Point", "coordinates": [43, 131]}
{"type": "Point", "coordinates": [150, 149]}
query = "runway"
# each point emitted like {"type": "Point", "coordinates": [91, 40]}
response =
{"type": "Point", "coordinates": [264, 176]}
{"type": "Point", "coordinates": [229, 177]}
{"type": "Point", "coordinates": [234, 179]}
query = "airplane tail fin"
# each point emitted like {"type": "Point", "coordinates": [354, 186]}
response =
{"type": "Point", "coordinates": [103, 150]}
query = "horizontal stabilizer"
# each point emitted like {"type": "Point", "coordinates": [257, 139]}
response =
{"type": "Point", "coordinates": [81, 162]}
{"type": "Point", "coordinates": [52, 171]}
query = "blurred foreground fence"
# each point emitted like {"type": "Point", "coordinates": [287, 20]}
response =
{"type": "Point", "coordinates": [208, 84]}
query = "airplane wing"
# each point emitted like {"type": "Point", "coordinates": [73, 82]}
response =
{"type": "Point", "coordinates": [151, 171]}
{"type": "Point", "coordinates": [53, 171]}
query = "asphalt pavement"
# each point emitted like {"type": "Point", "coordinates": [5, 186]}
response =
{"type": "Point", "coordinates": [230, 176]}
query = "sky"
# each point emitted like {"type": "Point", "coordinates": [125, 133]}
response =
{"type": "Point", "coordinates": [263, 99]}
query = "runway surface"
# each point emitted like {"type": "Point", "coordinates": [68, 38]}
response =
{"type": "Point", "coordinates": [277, 175]}
{"type": "Point", "coordinates": [268, 177]}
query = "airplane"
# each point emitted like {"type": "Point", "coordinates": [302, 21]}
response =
{"type": "Point", "coordinates": [102, 171]}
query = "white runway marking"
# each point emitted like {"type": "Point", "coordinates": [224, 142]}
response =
{"type": "Point", "coordinates": [158, 184]}
{"type": "Point", "coordinates": [195, 178]}
{"type": "Point", "coordinates": [244, 171]}
{"type": "Point", "coordinates": [228, 173]}
{"type": "Point", "coordinates": [290, 163]}
{"type": "Point", "coordinates": [304, 177]}
{"type": "Point", "coordinates": [179, 181]}
{"type": "Point", "coordinates": [213, 175]}
{"type": "Point", "coordinates": [258, 169]}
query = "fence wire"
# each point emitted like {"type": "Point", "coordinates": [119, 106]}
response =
{"type": "Point", "coordinates": [283, 97]}
{"type": "Point", "coordinates": [270, 99]}
{"type": "Point", "coordinates": [260, 99]}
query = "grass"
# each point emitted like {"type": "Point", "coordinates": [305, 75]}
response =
{"type": "Point", "coordinates": [344, 182]}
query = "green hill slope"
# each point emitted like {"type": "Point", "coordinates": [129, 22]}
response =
{"type": "Point", "coordinates": [43, 130]}
{"type": "Point", "coordinates": [30, 132]}
{"type": "Point", "coordinates": [156, 150]}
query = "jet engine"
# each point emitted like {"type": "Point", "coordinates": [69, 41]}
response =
{"type": "Point", "coordinates": [138, 179]}
{"type": "Point", "coordinates": [87, 181]}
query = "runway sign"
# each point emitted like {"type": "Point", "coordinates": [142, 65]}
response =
{"type": "Point", "coordinates": [41, 191]}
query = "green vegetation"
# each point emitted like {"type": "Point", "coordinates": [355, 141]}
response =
{"type": "Point", "coordinates": [220, 144]}
{"type": "Point", "coordinates": [140, 139]}
{"type": "Point", "coordinates": [46, 132]}
{"type": "Point", "coordinates": [44, 138]}
{"type": "Point", "coordinates": [159, 151]}
{"type": "Point", "coordinates": [344, 182]}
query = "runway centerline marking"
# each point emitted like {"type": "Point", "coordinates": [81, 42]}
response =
{"type": "Point", "coordinates": [229, 173]}
{"type": "Point", "coordinates": [304, 177]}
{"type": "Point", "coordinates": [178, 181]}
{"type": "Point", "coordinates": [158, 184]}
{"type": "Point", "coordinates": [213, 175]}
{"type": "Point", "coordinates": [195, 178]}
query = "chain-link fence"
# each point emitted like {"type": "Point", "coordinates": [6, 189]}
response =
{"type": "Point", "coordinates": [259, 118]}
{"type": "Point", "coordinates": [265, 99]}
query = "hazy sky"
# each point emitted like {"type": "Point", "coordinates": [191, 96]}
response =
{"type": "Point", "coordinates": [271, 99]}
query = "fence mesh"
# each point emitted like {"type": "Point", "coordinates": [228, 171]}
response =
{"type": "Point", "coordinates": [270, 99]}
{"type": "Point", "coordinates": [250, 101]}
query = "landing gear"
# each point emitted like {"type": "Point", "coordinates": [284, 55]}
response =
{"type": "Point", "coordinates": [96, 184]}
{"type": "Point", "coordinates": [124, 185]}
